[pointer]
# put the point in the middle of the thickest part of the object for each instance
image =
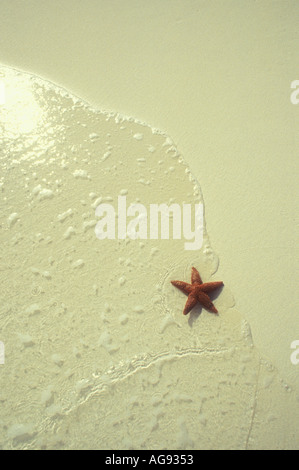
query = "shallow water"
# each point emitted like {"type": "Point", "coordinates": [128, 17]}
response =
{"type": "Point", "coordinates": [97, 351]}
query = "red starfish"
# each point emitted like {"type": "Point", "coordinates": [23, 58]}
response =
{"type": "Point", "coordinates": [197, 291]}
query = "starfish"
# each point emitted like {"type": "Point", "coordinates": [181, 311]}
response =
{"type": "Point", "coordinates": [197, 291]}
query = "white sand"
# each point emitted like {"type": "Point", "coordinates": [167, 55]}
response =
{"type": "Point", "coordinates": [216, 77]}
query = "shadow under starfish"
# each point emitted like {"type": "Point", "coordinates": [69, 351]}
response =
{"type": "Point", "coordinates": [198, 292]}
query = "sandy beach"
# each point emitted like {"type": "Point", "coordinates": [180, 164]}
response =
{"type": "Point", "coordinates": [161, 102]}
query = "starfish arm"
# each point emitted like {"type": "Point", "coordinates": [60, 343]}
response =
{"type": "Point", "coordinates": [206, 302]}
{"type": "Point", "coordinates": [210, 286]}
{"type": "Point", "coordinates": [183, 286]}
{"type": "Point", "coordinates": [195, 277]}
{"type": "Point", "coordinates": [191, 302]}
